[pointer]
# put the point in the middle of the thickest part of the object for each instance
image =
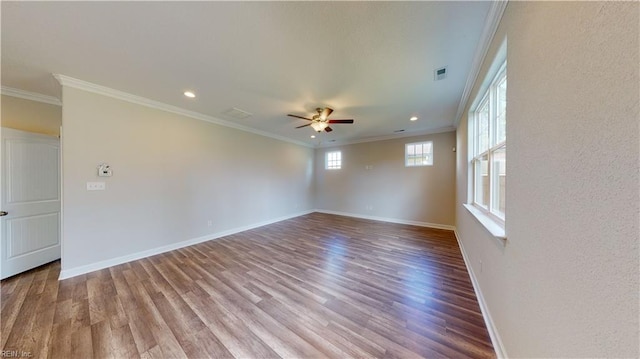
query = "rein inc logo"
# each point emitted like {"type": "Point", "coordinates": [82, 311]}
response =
{"type": "Point", "coordinates": [15, 354]}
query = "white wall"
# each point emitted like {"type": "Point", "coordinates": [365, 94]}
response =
{"type": "Point", "coordinates": [171, 174]}
{"type": "Point", "coordinates": [393, 191]}
{"type": "Point", "coordinates": [566, 283]}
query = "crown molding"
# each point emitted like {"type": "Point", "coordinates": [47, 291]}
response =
{"type": "Point", "coordinates": [388, 137]}
{"type": "Point", "coordinates": [490, 26]}
{"type": "Point", "coordinates": [124, 96]}
{"type": "Point", "coordinates": [32, 96]}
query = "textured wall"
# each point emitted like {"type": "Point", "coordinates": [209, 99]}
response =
{"type": "Point", "coordinates": [566, 283]}
{"type": "Point", "coordinates": [171, 175]}
{"type": "Point", "coordinates": [422, 194]}
{"type": "Point", "coordinates": [31, 116]}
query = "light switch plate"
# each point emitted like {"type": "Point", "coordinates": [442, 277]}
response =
{"type": "Point", "coordinates": [96, 186]}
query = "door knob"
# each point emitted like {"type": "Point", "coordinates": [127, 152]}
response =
{"type": "Point", "coordinates": [3, 213]}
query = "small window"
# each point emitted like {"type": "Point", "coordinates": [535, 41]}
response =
{"type": "Point", "coordinates": [418, 154]}
{"type": "Point", "coordinates": [333, 160]}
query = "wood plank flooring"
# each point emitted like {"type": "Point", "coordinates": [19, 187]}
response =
{"type": "Point", "coordinates": [311, 287]}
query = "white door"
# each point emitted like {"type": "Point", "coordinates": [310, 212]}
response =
{"type": "Point", "coordinates": [31, 199]}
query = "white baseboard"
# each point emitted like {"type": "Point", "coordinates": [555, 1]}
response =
{"type": "Point", "coordinates": [72, 272]}
{"type": "Point", "coordinates": [391, 220]}
{"type": "Point", "coordinates": [488, 320]}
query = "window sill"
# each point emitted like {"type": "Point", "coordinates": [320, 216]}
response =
{"type": "Point", "coordinates": [493, 227]}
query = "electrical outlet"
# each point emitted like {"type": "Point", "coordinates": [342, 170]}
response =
{"type": "Point", "coordinates": [480, 266]}
{"type": "Point", "coordinates": [209, 223]}
{"type": "Point", "coordinates": [96, 186]}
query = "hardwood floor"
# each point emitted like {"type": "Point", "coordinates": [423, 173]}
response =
{"type": "Point", "coordinates": [313, 286]}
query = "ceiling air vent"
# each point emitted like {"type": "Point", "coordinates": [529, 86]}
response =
{"type": "Point", "coordinates": [236, 113]}
{"type": "Point", "coordinates": [440, 74]}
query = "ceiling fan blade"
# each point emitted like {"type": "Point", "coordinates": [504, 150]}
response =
{"type": "Point", "coordinates": [328, 129]}
{"type": "Point", "coordinates": [304, 118]}
{"type": "Point", "coordinates": [308, 124]}
{"type": "Point", "coordinates": [325, 113]}
{"type": "Point", "coordinates": [341, 121]}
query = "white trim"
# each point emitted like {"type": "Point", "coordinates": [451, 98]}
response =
{"type": "Point", "coordinates": [390, 220]}
{"type": "Point", "coordinates": [72, 272]}
{"type": "Point", "coordinates": [489, 31]}
{"type": "Point", "coordinates": [498, 346]}
{"type": "Point", "coordinates": [488, 223]}
{"type": "Point", "coordinates": [138, 100]}
{"type": "Point", "coordinates": [388, 137]}
{"type": "Point", "coordinates": [32, 96]}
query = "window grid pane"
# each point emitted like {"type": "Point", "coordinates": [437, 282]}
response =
{"type": "Point", "coordinates": [498, 181]}
{"type": "Point", "coordinates": [482, 181]}
{"type": "Point", "coordinates": [419, 154]}
{"type": "Point", "coordinates": [482, 131]}
{"type": "Point", "coordinates": [501, 109]}
{"type": "Point", "coordinates": [333, 160]}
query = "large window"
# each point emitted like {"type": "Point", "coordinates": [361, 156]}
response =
{"type": "Point", "coordinates": [333, 160]}
{"type": "Point", "coordinates": [418, 154]}
{"type": "Point", "coordinates": [488, 148]}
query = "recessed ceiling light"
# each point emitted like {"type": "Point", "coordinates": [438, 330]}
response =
{"type": "Point", "coordinates": [313, 136]}
{"type": "Point", "coordinates": [189, 94]}
{"type": "Point", "coordinates": [414, 118]}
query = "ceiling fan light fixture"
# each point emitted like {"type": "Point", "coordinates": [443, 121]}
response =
{"type": "Point", "coordinates": [319, 126]}
{"type": "Point", "coordinates": [320, 122]}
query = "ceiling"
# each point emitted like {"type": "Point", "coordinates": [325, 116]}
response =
{"type": "Point", "coordinates": [370, 61]}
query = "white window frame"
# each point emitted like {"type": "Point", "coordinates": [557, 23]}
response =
{"type": "Point", "coordinates": [333, 160]}
{"type": "Point", "coordinates": [413, 160]}
{"type": "Point", "coordinates": [488, 97]}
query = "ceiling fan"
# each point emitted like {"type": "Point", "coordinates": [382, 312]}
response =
{"type": "Point", "coordinates": [320, 122]}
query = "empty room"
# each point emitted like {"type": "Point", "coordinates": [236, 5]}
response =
{"type": "Point", "coordinates": [320, 179]}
